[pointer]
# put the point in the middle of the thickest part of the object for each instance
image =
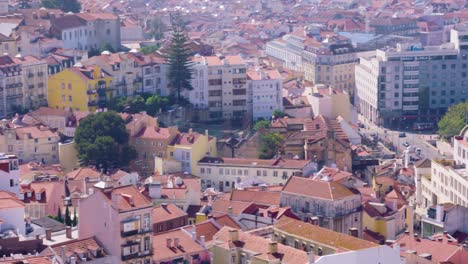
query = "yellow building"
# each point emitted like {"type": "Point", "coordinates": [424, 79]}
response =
{"type": "Point", "coordinates": [189, 148]}
{"type": "Point", "coordinates": [80, 88]}
{"type": "Point", "coordinates": [381, 218]}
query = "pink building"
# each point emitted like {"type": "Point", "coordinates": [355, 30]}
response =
{"type": "Point", "coordinates": [120, 218]}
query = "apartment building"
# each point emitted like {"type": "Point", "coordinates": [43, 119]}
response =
{"type": "Point", "coordinates": [126, 73]}
{"type": "Point", "coordinates": [326, 246]}
{"type": "Point", "coordinates": [149, 140]}
{"type": "Point", "coordinates": [329, 101]}
{"type": "Point", "coordinates": [80, 88]}
{"type": "Point", "coordinates": [153, 70]}
{"type": "Point", "coordinates": [265, 93]}
{"type": "Point", "coordinates": [29, 143]}
{"type": "Point", "coordinates": [9, 172]}
{"type": "Point", "coordinates": [226, 91]}
{"type": "Point", "coordinates": [225, 174]}
{"type": "Point", "coordinates": [327, 59]}
{"type": "Point", "coordinates": [120, 218]}
{"type": "Point", "coordinates": [188, 148]}
{"type": "Point", "coordinates": [324, 202]}
{"type": "Point", "coordinates": [448, 218]}
{"type": "Point", "coordinates": [23, 83]}
{"type": "Point", "coordinates": [411, 82]}
{"type": "Point", "coordinates": [87, 31]}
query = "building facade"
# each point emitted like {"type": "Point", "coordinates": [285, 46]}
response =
{"type": "Point", "coordinates": [265, 93]}
{"type": "Point", "coordinates": [411, 82]}
{"type": "Point", "coordinates": [9, 170]}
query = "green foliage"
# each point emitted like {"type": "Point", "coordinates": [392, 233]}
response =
{"type": "Point", "coordinates": [179, 60]}
{"type": "Point", "coordinates": [59, 215]}
{"type": "Point", "coordinates": [261, 124]}
{"type": "Point", "coordinates": [68, 220]}
{"type": "Point", "coordinates": [107, 47]}
{"type": "Point", "coordinates": [156, 26]}
{"type": "Point", "coordinates": [102, 139]}
{"type": "Point", "coordinates": [152, 104]}
{"type": "Point", "coordinates": [75, 218]}
{"type": "Point", "coordinates": [23, 4]}
{"type": "Point", "coordinates": [65, 5]}
{"type": "Point", "coordinates": [278, 114]}
{"type": "Point", "coordinates": [454, 120]}
{"type": "Point", "coordinates": [270, 144]}
{"type": "Point", "coordinates": [149, 49]}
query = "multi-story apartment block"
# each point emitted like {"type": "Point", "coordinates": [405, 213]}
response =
{"type": "Point", "coordinates": [29, 143]}
{"type": "Point", "coordinates": [9, 172]}
{"type": "Point", "coordinates": [322, 59]}
{"type": "Point", "coordinates": [189, 148]}
{"type": "Point", "coordinates": [80, 88]}
{"type": "Point", "coordinates": [153, 70]}
{"type": "Point", "coordinates": [23, 83]}
{"type": "Point", "coordinates": [226, 91]}
{"type": "Point", "coordinates": [411, 82]}
{"type": "Point", "coordinates": [150, 141]}
{"type": "Point", "coordinates": [265, 93]}
{"type": "Point", "coordinates": [120, 218]}
{"type": "Point", "coordinates": [87, 31]}
{"type": "Point", "coordinates": [126, 73]}
{"type": "Point", "coordinates": [324, 202]}
{"type": "Point", "coordinates": [444, 181]}
{"type": "Point", "coordinates": [225, 174]}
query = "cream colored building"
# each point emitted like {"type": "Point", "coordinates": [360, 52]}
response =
{"type": "Point", "coordinates": [225, 174]}
{"type": "Point", "coordinates": [68, 157]}
{"type": "Point", "coordinates": [328, 101]}
{"type": "Point", "coordinates": [226, 92]}
{"type": "Point", "coordinates": [8, 45]}
{"type": "Point", "coordinates": [29, 143]}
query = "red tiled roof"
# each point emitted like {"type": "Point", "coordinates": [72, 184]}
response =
{"type": "Point", "coordinates": [316, 188]}
{"type": "Point", "coordinates": [258, 197]}
{"type": "Point", "coordinates": [166, 212]}
{"type": "Point", "coordinates": [187, 246]}
{"type": "Point", "coordinates": [84, 172]}
{"type": "Point", "coordinates": [9, 200]}
{"type": "Point", "coordinates": [130, 197]}
{"type": "Point", "coordinates": [222, 206]}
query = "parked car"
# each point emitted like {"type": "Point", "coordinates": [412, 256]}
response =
{"type": "Point", "coordinates": [402, 135]}
{"type": "Point", "coordinates": [406, 144]}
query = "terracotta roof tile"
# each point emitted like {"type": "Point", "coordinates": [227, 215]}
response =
{"type": "Point", "coordinates": [187, 246]}
{"type": "Point", "coordinates": [316, 188]}
{"type": "Point", "coordinates": [258, 197]}
{"type": "Point", "coordinates": [166, 212]}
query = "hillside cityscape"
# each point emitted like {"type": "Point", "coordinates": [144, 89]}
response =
{"type": "Point", "coordinates": [233, 131]}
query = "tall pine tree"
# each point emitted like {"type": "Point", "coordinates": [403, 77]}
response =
{"type": "Point", "coordinates": [179, 60]}
{"type": "Point", "coordinates": [75, 218]}
{"type": "Point", "coordinates": [59, 215]}
{"type": "Point", "coordinates": [68, 220]}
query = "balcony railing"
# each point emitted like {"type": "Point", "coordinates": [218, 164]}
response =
{"type": "Point", "coordinates": [92, 103]}
{"type": "Point", "coordinates": [135, 255]}
{"type": "Point", "coordinates": [14, 96]}
{"type": "Point", "coordinates": [136, 232]}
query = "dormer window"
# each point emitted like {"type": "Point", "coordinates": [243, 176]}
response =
{"type": "Point", "coordinates": [38, 196]}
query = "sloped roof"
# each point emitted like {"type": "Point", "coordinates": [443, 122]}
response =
{"type": "Point", "coordinates": [328, 190]}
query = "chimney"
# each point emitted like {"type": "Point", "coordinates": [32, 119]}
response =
{"type": "Point", "coordinates": [48, 232]}
{"type": "Point", "coordinates": [190, 131]}
{"type": "Point", "coordinates": [229, 210]}
{"type": "Point", "coordinates": [353, 231]}
{"type": "Point", "coordinates": [63, 255]}
{"type": "Point", "coordinates": [169, 242]}
{"type": "Point", "coordinates": [272, 247]}
{"type": "Point", "coordinates": [68, 231]}
{"type": "Point", "coordinates": [465, 247]}
{"type": "Point", "coordinates": [234, 235]}
{"type": "Point", "coordinates": [202, 241]}
{"type": "Point", "coordinates": [176, 242]}
{"type": "Point", "coordinates": [73, 260]}
{"type": "Point", "coordinates": [311, 257]}
{"type": "Point", "coordinates": [314, 220]}
{"type": "Point", "coordinates": [164, 205]}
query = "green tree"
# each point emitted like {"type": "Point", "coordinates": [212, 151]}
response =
{"type": "Point", "coordinates": [59, 215]}
{"type": "Point", "coordinates": [156, 103]}
{"type": "Point", "coordinates": [156, 26]}
{"type": "Point", "coordinates": [454, 120]}
{"type": "Point", "coordinates": [179, 60]}
{"type": "Point", "coordinates": [278, 114]}
{"type": "Point", "coordinates": [23, 4]}
{"type": "Point", "coordinates": [261, 124]}
{"type": "Point", "coordinates": [64, 5]}
{"type": "Point", "coordinates": [101, 139]}
{"type": "Point", "coordinates": [68, 220]}
{"type": "Point", "coordinates": [75, 218]}
{"type": "Point", "coordinates": [107, 47]}
{"type": "Point", "coordinates": [270, 144]}
{"type": "Point", "coordinates": [138, 104]}
{"type": "Point", "coordinates": [149, 49]}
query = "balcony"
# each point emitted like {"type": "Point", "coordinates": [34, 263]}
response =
{"type": "Point", "coordinates": [14, 96]}
{"type": "Point", "coordinates": [135, 232]}
{"type": "Point", "coordinates": [135, 255]}
{"type": "Point", "coordinates": [92, 103]}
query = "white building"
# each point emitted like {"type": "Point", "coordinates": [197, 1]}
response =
{"type": "Point", "coordinates": [9, 174]}
{"type": "Point", "coordinates": [265, 88]}
{"type": "Point", "coordinates": [224, 174]}
{"type": "Point", "coordinates": [412, 82]}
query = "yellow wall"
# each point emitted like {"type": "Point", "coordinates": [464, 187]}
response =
{"type": "Point", "coordinates": [78, 92]}
{"type": "Point", "coordinates": [379, 226]}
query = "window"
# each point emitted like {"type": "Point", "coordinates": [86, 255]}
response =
{"type": "Point", "coordinates": [11, 183]}
{"type": "Point", "coordinates": [220, 171]}
{"type": "Point", "coordinates": [259, 173]}
{"type": "Point", "coordinates": [275, 173]}
{"type": "Point", "coordinates": [202, 170]}
{"type": "Point", "coordinates": [69, 86]}
{"type": "Point", "coordinates": [264, 173]}
{"type": "Point", "coordinates": [69, 98]}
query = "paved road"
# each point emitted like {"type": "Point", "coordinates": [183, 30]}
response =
{"type": "Point", "coordinates": [415, 140]}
